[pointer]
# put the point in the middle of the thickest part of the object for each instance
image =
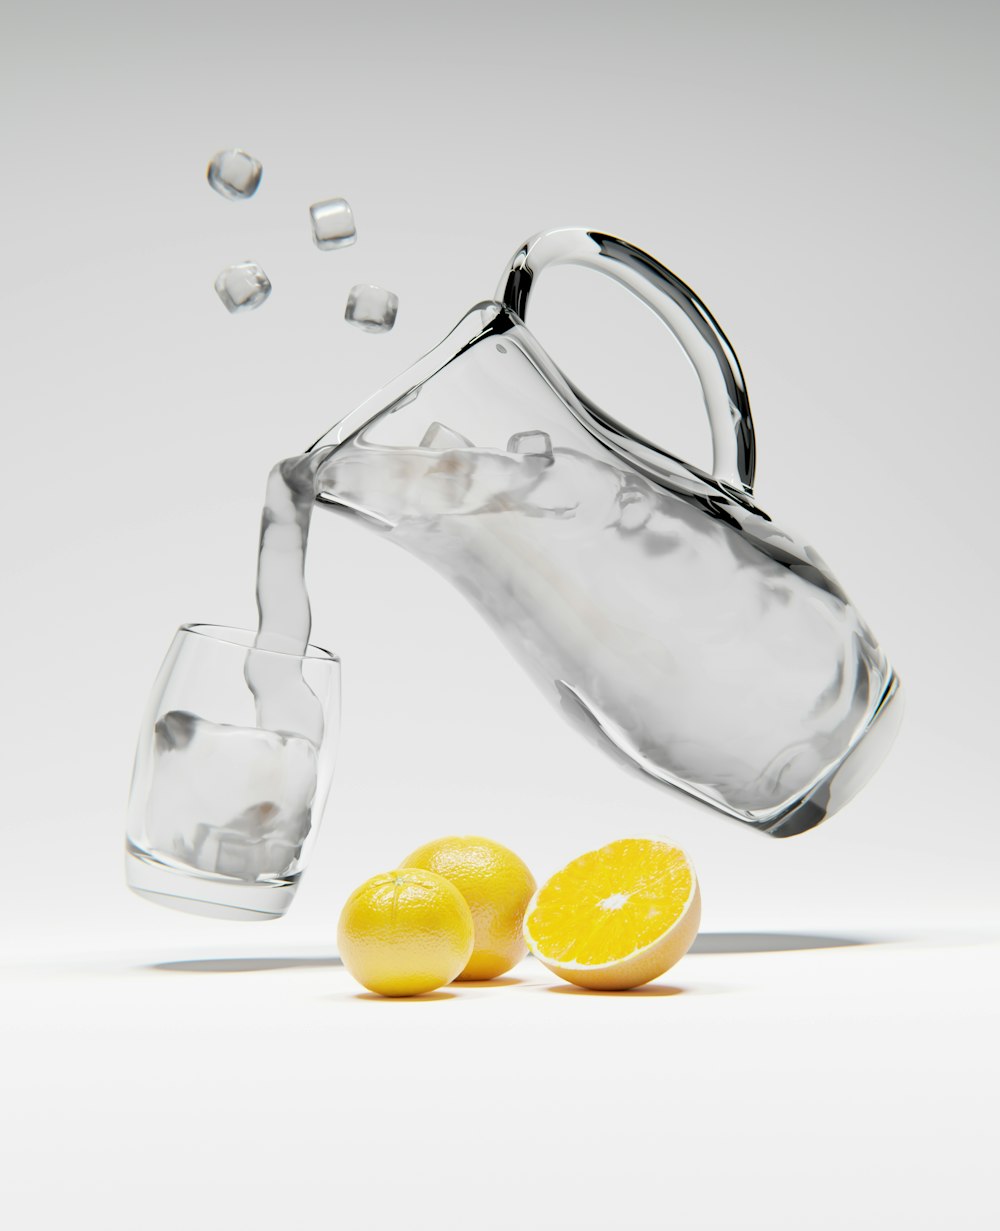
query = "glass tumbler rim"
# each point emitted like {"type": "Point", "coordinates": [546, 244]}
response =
{"type": "Point", "coordinates": [243, 638]}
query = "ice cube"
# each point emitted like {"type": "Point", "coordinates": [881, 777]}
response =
{"type": "Point", "coordinates": [531, 444]}
{"type": "Point", "coordinates": [635, 509]}
{"type": "Point", "coordinates": [439, 436]}
{"type": "Point", "coordinates": [175, 730]}
{"type": "Point", "coordinates": [332, 223]}
{"type": "Point", "coordinates": [243, 287]}
{"type": "Point", "coordinates": [234, 174]}
{"type": "Point", "coordinates": [231, 800]}
{"type": "Point", "coordinates": [371, 308]}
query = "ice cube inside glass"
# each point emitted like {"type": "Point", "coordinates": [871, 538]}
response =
{"type": "Point", "coordinates": [223, 812]}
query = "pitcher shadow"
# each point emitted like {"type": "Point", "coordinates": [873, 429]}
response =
{"type": "Point", "coordinates": [772, 942]}
{"type": "Point", "coordinates": [705, 943]}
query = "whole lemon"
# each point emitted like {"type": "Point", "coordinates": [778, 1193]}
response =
{"type": "Point", "coordinates": [497, 886]}
{"type": "Point", "coordinates": [405, 932]}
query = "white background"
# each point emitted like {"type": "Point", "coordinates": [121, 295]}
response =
{"type": "Point", "coordinates": [825, 177]}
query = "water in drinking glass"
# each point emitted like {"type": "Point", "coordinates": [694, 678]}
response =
{"type": "Point", "coordinates": [236, 801]}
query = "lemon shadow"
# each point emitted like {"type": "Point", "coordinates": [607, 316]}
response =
{"type": "Point", "coordinates": [425, 998]}
{"type": "Point", "coordinates": [499, 981]}
{"type": "Point", "coordinates": [647, 989]}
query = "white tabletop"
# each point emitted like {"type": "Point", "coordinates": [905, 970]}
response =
{"type": "Point", "coordinates": [763, 1082]}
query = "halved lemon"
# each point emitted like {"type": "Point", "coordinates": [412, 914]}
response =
{"type": "Point", "coordinates": [616, 917]}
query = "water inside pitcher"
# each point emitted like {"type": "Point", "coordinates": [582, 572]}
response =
{"type": "Point", "coordinates": [665, 614]}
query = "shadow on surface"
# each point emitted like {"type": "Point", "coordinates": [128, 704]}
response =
{"type": "Point", "coordinates": [648, 989]}
{"type": "Point", "coordinates": [706, 942]}
{"type": "Point", "coordinates": [427, 996]}
{"type": "Point", "coordinates": [771, 942]}
{"type": "Point", "coordinates": [238, 965]}
{"type": "Point", "coordinates": [500, 981]}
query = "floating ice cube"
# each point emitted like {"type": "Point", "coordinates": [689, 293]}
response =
{"type": "Point", "coordinates": [243, 287]}
{"type": "Point", "coordinates": [531, 444]}
{"type": "Point", "coordinates": [439, 436]}
{"type": "Point", "coordinates": [371, 308]}
{"type": "Point", "coordinates": [231, 800]}
{"type": "Point", "coordinates": [332, 223]}
{"type": "Point", "coordinates": [234, 174]}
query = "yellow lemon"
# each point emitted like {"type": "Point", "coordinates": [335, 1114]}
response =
{"type": "Point", "coordinates": [497, 886]}
{"type": "Point", "coordinates": [405, 932]}
{"type": "Point", "coordinates": [616, 917]}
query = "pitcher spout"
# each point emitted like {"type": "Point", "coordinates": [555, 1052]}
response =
{"type": "Point", "coordinates": [485, 317]}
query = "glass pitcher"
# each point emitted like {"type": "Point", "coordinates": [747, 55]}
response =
{"type": "Point", "coordinates": [659, 607]}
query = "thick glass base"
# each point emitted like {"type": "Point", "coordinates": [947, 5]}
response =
{"type": "Point", "coordinates": [199, 894]}
{"type": "Point", "coordinates": [850, 774]}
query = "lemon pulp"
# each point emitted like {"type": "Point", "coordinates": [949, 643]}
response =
{"type": "Point", "coordinates": [617, 916]}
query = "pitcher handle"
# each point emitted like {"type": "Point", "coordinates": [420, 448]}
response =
{"type": "Point", "coordinates": [680, 309]}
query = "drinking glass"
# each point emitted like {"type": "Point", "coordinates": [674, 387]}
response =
{"type": "Point", "coordinates": [232, 772]}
